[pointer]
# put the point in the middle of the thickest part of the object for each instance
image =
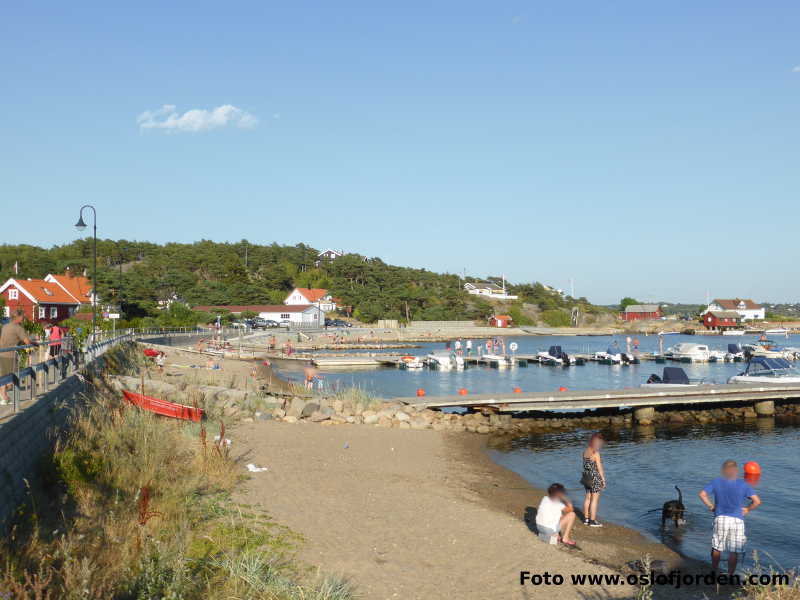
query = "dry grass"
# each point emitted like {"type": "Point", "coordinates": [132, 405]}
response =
{"type": "Point", "coordinates": [136, 506]}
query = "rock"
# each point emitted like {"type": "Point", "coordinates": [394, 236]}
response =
{"type": "Point", "coordinates": [404, 425]}
{"type": "Point", "coordinates": [265, 417]}
{"type": "Point", "coordinates": [482, 429]}
{"type": "Point", "coordinates": [384, 422]}
{"type": "Point", "coordinates": [248, 420]}
{"type": "Point", "coordinates": [370, 419]}
{"type": "Point", "coordinates": [402, 416]}
{"type": "Point", "coordinates": [338, 406]}
{"type": "Point", "coordinates": [440, 426]}
{"type": "Point", "coordinates": [319, 416]}
{"type": "Point", "coordinates": [296, 407]}
{"type": "Point", "coordinates": [309, 409]}
{"type": "Point", "coordinates": [278, 413]}
{"type": "Point", "coordinates": [419, 423]}
{"type": "Point", "coordinates": [457, 427]}
{"type": "Point", "coordinates": [290, 419]}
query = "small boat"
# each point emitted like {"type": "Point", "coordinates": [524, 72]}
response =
{"type": "Point", "coordinates": [411, 362]}
{"type": "Point", "coordinates": [689, 352]}
{"type": "Point", "coordinates": [777, 331]}
{"type": "Point", "coordinates": [734, 353]}
{"type": "Point", "coordinates": [672, 377]}
{"type": "Point", "coordinates": [669, 333]}
{"type": "Point", "coordinates": [445, 361]}
{"type": "Point", "coordinates": [621, 358]}
{"type": "Point", "coordinates": [164, 407]}
{"type": "Point", "coordinates": [767, 348]}
{"type": "Point", "coordinates": [500, 361]}
{"type": "Point", "coordinates": [733, 332]}
{"type": "Point", "coordinates": [555, 356]}
{"type": "Point", "coordinates": [761, 369]}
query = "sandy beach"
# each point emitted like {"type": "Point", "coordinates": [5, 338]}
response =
{"type": "Point", "coordinates": [423, 514]}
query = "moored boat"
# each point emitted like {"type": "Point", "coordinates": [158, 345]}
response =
{"type": "Point", "coordinates": [689, 352]}
{"type": "Point", "coordinates": [672, 377]}
{"type": "Point", "coordinates": [762, 369]}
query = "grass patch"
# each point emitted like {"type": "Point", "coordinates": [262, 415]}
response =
{"type": "Point", "coordinates": [138, 507]}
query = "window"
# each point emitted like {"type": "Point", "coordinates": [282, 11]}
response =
{"type": "Point", "coordinates": [6, 311]}
{"type": "Point", "coordinates": [41, 312]}
{"type": "Point", "coordinates": [53, 312]}
{"type": "Point", "coordinates": [285, 316]}
{"type": "Point", "coordinates": [13, 294]}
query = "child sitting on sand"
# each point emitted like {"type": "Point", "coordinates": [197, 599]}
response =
{"type": "Point", "coordinates": [556, 514]}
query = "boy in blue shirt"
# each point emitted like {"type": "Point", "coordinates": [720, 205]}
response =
{"type": "Point", "coordinates": [733, 499]}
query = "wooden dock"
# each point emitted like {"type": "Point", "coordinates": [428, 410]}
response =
{"type": "Point", "coordinates": [634, 398]}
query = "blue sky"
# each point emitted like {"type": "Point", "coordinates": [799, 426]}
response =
{"type": "Point", "coordinates": [643, 149]}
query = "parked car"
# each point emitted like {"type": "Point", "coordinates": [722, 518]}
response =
{"type": "Point", "coordinates": [337, 323]}
{"type": "Point", "coordinates": [259, 323]}
{"type": "Point", "coordinates": [285, 323]}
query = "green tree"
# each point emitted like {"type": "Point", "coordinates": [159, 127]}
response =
{"type": "Point", "coordinates": [626, 302]}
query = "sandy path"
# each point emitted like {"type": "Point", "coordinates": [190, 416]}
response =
{"type": "Point", "coordinates": [389, 509]}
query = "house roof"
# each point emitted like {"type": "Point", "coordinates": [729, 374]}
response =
{"type": "Point", "coordinates": [41, 291]}
{"type": "Point", "coordinates": [257, 308]}
{"type": "Point", "coordinates": [77, 286]}
{"type": "Point", "coordinates": [724, 314]}
{"type": "Point", "coordinates": [312, 294]}
{"type": "Point", "coordinates": [733, 304]}
{"type": "Point", "coordinates": [483, 285]}
{"type": "Point", "coordinates": [642, 308]}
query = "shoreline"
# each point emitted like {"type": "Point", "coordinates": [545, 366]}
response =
{"type": "Point", "coordinates": [613, 545]}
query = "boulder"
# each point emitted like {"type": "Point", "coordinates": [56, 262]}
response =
{"type": "Point", "coordinates": [370, 419]}
{"type": "Point", "coordinates": [309, 409]}
{"type": "Point", "coordinates": [419, 422]}
{"type": "Point", "coordinates": [402, 416]}
{"type": "Point", "coordinates": [290, 419]}
{"type": "Point", "coordinates": [319, 416]}
{"type": "Point", "coordinates": [295, 408]}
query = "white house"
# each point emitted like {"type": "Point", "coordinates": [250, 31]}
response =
{"type": "Point", "coordinates": [316, 296]}
{"type": "Point", "coordinates": [303, 315]}
{"type": "Point", "coordinates": [747, 309]}
{"type": "Point", "coordinates": [328, 256]}
{"type": "Point", "coordinates": [489, 290]}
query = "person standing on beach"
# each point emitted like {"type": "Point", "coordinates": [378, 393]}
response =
{"type": "Point", "coordinates": [593, 479]}
{"type": "Point", "coordinates": [556, 514]}
{"type": "Point", "coordinates": [12, 334]}
{"type": "Point", "coordinates": [730, 506]}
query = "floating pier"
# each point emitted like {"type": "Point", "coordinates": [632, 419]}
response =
{"type": "Point", "coordinates": [763, 396]}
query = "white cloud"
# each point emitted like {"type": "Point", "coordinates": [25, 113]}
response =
{"type": "Point", "coordinates": [796, 69]}
{"type": "Point", "coordinates": [197, 119]}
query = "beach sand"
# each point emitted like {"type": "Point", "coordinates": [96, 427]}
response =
{"type": "Point", "coordinates": [422, 515]}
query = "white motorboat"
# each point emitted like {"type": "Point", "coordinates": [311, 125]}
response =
{"type": "Point", "coordinates": [411, 362]}
{"type": "Point", "coordinates": [690, 352]}
{"type": "Point", "coordinates": [620, 358]}
{"type": "Point", "coordinates": [777, 331]}
{"type": "Point", "coordinates": [498, 360]}
{"type": "Point", "coordinates": [734, 353]}
{"type": "Point", "coordinates": [762, 369]}
{"type": "Point", "coordinates": [733, 332]}
{"type": "Point", "coordinates": [555, 356]}
{"type": "Point", "coordinates": [673, 377]}
{"type": "Point", "coordinates": [445, 361]}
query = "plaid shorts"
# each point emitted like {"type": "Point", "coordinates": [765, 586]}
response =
{"type": "Point", "coordinates": [728, 534]}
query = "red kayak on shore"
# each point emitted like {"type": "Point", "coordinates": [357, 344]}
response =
{"type": "Point", "coordinates": [163, 407]}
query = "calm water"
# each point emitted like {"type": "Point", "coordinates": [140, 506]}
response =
{"type": "Point", "coordinates": [391, 382]}
{"type": "Point", "coordinates": [643, 465]}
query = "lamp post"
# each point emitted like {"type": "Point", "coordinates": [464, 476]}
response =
{"type": "Point", "coordinates": [80, 226]}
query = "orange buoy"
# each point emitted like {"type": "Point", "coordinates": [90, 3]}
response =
{"type": "Point", "coordinates": [517, 390]}
{"type": "Point", "coordinates": [562, 389]}
{"type": "Point", "coordinates": [752, 468]}
{"type": "Point", "coordinates": [420, 392]}
{"type": "Point", "coordinates": [463, 392]}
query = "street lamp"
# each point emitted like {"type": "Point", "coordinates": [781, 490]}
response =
{"type": "Point", "coordinates": [80, 226]}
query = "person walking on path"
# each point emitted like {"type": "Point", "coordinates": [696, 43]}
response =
{"type": "Point", "coordinates": [556, 515]}
{"type": "Point", "coordinates": [593, 479]}
{"type": "Point", "coordinates": [12, 334]}
{"type": "Point", "coordinates": [733, 499]}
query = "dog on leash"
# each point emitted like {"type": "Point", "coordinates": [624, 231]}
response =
{"type": "Point", "coordinates": [675, 510]}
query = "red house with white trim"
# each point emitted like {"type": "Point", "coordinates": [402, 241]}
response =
{"type": "Point", "coordinates": [43, 301]}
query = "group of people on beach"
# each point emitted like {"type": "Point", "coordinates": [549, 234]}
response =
{"type": "Point", "coordinates": [728, 497]}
